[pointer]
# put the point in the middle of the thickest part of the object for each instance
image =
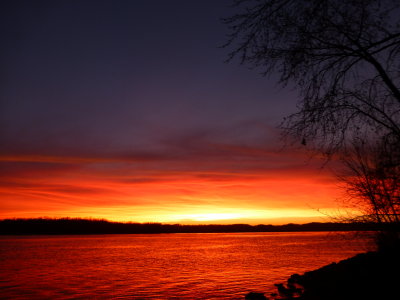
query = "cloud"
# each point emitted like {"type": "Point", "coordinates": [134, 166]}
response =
{"type": "Point", "coordinates": [194, 172]}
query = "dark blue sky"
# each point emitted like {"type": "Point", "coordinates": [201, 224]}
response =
{"type": "Point", "coordinates": [89, 76]}
{"type": "Point", "coordinates": [127, 110]}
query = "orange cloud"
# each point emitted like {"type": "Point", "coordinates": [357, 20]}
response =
{"type": "Point", "coordinates": [220, 182]}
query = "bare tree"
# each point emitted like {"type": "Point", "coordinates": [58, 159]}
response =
{"type": "Point", "coordinates": [344, 56]}
{"type": "Point", "coordinates": [372, 180]}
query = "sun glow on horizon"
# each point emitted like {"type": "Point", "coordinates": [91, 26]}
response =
{"type": "Point", "coordinates": [239, 215]}
{"type": "Point", "coordinates": [210, 216]}
{"type": "Point", "coordinates": [122, 192]}
{"type": "Point", "coordinates": [207, 215]}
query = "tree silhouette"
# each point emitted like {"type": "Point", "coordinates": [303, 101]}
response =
{"type": "Point", "coordinates": [344, 58]}
{"type": "Point", "coordinates": [342, 55]}
{"type": "Point", "coordinates": [373, 174]}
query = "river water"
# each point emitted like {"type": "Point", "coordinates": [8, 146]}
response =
{"type": "Point", "coordinates": [164, 266]}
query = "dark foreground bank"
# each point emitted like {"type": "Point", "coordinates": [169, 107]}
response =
{"type": "Point", "coordinates": [367, 276]}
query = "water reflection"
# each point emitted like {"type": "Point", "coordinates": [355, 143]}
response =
{"type": "Point", "coordinates": [164, 266]}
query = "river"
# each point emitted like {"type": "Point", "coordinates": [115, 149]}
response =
{"type": "Point", "coordinates": [164, 266]}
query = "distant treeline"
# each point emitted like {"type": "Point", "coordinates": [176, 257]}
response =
{"type": "Point", "coordinates": [99, 226]}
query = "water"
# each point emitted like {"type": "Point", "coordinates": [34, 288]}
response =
{"type": "Point", "coordinates": [163, 266]}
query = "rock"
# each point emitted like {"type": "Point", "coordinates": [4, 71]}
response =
{"type": "Point", "coordinates": [255, 296]}
{"type": "Point", "coordinates": [290, 291]}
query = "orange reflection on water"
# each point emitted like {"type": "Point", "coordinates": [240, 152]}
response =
{"type": "Point", "coordinates": [164, 266]}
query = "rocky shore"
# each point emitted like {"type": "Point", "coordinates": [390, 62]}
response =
{"type": "Point", "coordinates": [367, 276]}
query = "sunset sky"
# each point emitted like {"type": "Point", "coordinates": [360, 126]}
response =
{"type": "Point", "coordinates": [127, 110]}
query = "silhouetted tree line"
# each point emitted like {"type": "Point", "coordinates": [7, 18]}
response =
{"type": "Point", "coordinates": [50, 226]}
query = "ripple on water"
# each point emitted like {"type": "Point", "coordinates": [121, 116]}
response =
{"type": "Point", "coordinates": [165, 266]}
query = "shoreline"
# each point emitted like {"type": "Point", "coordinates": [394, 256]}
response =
{"type": "Point", "coordinates": [366, 276]}
{"type": "Point", "coordinates": [76, 226]}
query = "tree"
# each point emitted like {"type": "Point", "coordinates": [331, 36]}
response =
{"type": "Point", "coordinates": [373, 174]}
{"type": "Point", "coordinates": [344, 56]}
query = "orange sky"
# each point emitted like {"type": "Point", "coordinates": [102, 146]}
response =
{"type": "Point", "coordinates": [228, 185]}
{"type": "Point", "coordinates": [120, 111]}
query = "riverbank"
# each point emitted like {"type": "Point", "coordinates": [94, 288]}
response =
{"type": "Point", "coordinates": [77, 226]}
{"type": "Point", "coordinates": [371, 275]}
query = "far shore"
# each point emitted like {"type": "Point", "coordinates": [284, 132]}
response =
{"type": "Point", "coordinates": [62, 226]}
